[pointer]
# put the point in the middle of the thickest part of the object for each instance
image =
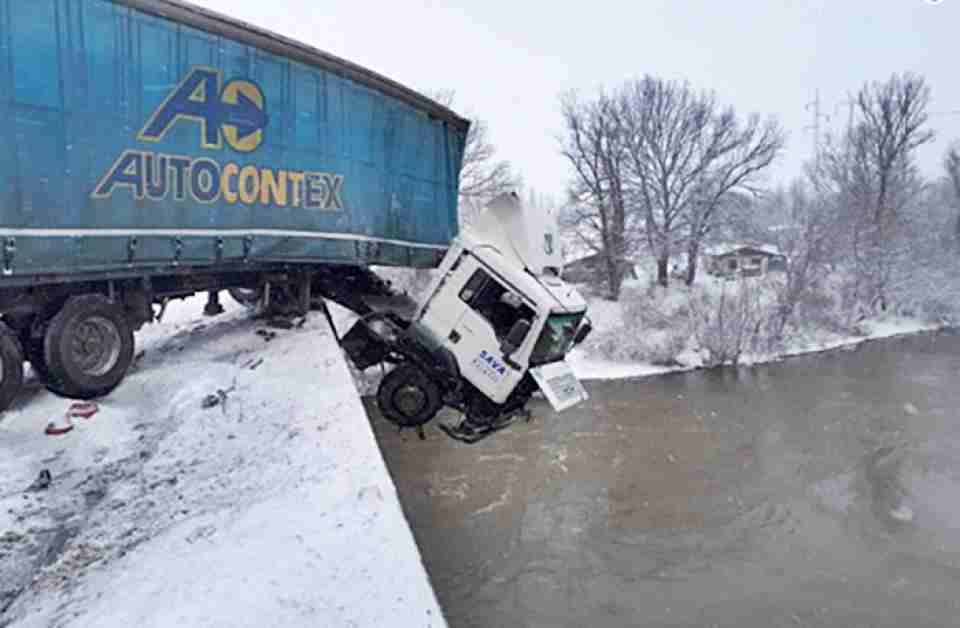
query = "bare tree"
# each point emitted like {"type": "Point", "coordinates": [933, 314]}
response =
{"type": "Point", "coordinates": [686, 156]}
{"type": "Point", "coordinates": [740, 158]}
{"type": "Point", "coordinates": [482, 175]}
{"type": "Point", "coordinates": [807, 240]}
{"type": "Point", "coordinates": [872, 174]}
{"type": "Point", "coordinates": [893, 115]}
{"type": "Point", "coordinates": [597, 213]}
{"type": "Point", "coordinates": [927, 283]}
{"type": "Point", "coordinates": [951, 163]}
{"type": "Point", "coordinates": [663, 123]}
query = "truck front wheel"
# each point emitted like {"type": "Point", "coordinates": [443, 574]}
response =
{"type": "Point", "coordinates": [11, 366]}
{"type": "Point", "coordinates": [88, 347]}
{"type": "Point", "coordinates": [408, 397]}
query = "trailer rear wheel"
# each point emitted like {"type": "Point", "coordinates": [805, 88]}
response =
{"type": "Point", "coordinates": [11, 366]}
{"type": "Point", "coordinates": [408, 397]}
{"type": "Point", "coordinates": [88, 347]}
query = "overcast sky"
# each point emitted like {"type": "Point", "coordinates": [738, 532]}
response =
{"type": "Point", "coordinates": [508, 61]}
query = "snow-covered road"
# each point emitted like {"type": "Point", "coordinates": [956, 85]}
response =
{"type": "Point", "coordinates": [274, 508]}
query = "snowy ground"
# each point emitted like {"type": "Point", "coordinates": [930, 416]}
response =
{"type": "Point", "coordinates": [610, 315]}
{"type": "Point", "coordinates": [590, 367]}
{"type": "Point", "coordinates": [273, 509]}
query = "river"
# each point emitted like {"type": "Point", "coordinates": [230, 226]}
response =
{"type": "Point", "coordinates": [823, 490]}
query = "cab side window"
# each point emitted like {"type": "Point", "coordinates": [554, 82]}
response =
{"type": "Point", "coordinates": [500, 306]}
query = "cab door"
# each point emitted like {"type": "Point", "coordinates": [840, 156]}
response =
{"type": "Point", "coordinates": [443, 309]}
{"type": "Point", "coordinates": [477, 338]}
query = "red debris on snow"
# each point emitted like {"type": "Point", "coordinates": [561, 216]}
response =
{"type": "Point", "coordinates": [80, 409]}
{"type": "Point", "coordinates": [83, 409]}
{"type": "Point", "coordinates": [59, 428]}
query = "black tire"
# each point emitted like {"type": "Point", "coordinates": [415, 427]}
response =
{"type": "Point", "coordinates": [87, 347]}
{"type": "Point", "coordinates": [408, 397]}
{"type": "Point", "coordinates": [11, 362]}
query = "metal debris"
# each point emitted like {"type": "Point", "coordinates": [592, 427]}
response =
{"type": "Point", "coordinates": [266, 334]}
{"type": "Point", "coordinates": [218, 399]}
{"type": "Point", "coordinates": [253, 365]}
{"type": "Point", "coordinates": [210, 401]}
{"type": "Point", "coordinates": [42, 483]}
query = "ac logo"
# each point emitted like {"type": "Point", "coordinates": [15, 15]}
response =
{"type": "Point", "coordinates": [235, 111]}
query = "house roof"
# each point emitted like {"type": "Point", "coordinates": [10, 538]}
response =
{"type": "Point", "coordinates": [583, 259]}
{"type": "Point", "coordinates": [589, 258]}
{"type": "Point", "coordinates": [722, 250]}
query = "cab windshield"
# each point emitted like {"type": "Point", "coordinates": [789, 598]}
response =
{"type": "Point", "coordinates": [556, 339]}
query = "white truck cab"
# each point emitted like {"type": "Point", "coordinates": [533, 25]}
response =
{"type": "Point", "coordinates": [498, 322]}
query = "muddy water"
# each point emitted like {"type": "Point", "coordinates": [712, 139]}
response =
{"type": "Point", "coordinates": [822, 491]}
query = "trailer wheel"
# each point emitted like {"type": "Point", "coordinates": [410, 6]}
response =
{"type": "Point", "coordinates": [88, 347]}
{"type": "Point", "coordinates": [408, 397]}
{"type": "Point", "coordinates": [11, 366]}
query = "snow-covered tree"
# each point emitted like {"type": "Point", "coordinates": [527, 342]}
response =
{"type": "Point", "coordinates": [597, 212]}
{"type": "Point", "coordinates": [872, 175]}
{"type": "Point", "coordinates": [951, 164]}
{"type": "Point", "coordinates": [687, 156]}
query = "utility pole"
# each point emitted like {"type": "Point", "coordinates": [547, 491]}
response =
{"type": "Point", "coordinates": [818, 115]}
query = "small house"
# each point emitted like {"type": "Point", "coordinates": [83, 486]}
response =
{"type": "Point", "coordinates": [744, 261]}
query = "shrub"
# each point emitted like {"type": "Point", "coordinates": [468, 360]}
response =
{"type": "Point", "coordinates": [647, 325]}
{"type": "Point", "coordinates": [821, 308]}
{"type": "Point", "coordinates": [626, 343]}
{"type": "Point", "coordinates": [734, 321]}
{"type": "Point", "coordinates": [654, 308]}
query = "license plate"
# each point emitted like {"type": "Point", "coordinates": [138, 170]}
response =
{"type": "Point", "coordinates": [559, 385]}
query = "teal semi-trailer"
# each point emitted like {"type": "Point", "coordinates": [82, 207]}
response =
{"type": "Point", "coordinates": [150, 149]}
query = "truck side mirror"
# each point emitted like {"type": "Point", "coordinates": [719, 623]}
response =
{"type": "Point", "coordinates": [582, 333]}
{"type": "Point", "coordinates": [515, 337]}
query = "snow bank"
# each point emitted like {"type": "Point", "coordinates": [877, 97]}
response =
{"type": "Point", "coordinates": [878, 329]}
{"type": "Point", "coordinates": [592, 362]}
{"type": "Point", "coordinates": [594, 368]}
{"type": "Point", "coordinates": [274, 508]}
